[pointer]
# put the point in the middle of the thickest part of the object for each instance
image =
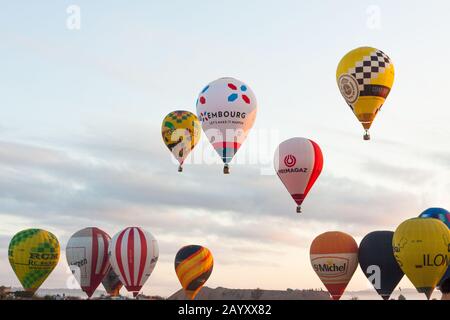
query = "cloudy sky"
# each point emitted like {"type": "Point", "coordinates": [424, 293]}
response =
{"type": "Point", "coordinates": [81, 111]}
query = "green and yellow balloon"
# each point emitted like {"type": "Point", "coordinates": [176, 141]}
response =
{"type": "Point", "coordinates": [33, 254]}
{"type": "Point", "coordinates": [181, 131]}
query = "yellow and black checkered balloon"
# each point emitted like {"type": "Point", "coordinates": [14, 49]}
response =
{"type": "Point", "coordinates": [365, 77]}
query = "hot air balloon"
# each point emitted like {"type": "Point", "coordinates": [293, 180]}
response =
{"type": "Point", "coordinates": [365, 77]}
{"type": "Point", "coordinates": [181, 132]}
{"type": "Point", "coordinates": [378, 263]}
{"type": "Point", "coordinates": [298, 163]}
{"type": "Point", "coordinates": [112, 283]}
{"type": "Point", "coordinates": [133, 255]}
{"type": "Point", "coordinates": [227, 110]}
{"type": "Point", "coordinates": [437, 213]}
{"type": "Point", "coordinates": [193, 265]}
{"type": "Point", "coordinates": [334, 257]}
{"type": "Point", "coordinates": [444, 216]}
{"type": "Point", "coordinates": [421, 248]}
{"type": "Point", "coordinates": [33, 254]}
{"type": "Point", "coordinates": [87, 256]}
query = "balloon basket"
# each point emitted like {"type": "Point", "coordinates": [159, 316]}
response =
{"type": "Point", "coordinates": [180, 168]}
{"type": "Point", "coordinates": [366, 136]}
{"type": "Point", "coordinates": [226, 169]}
{"type": "Point", "coordinates": [299, 209]}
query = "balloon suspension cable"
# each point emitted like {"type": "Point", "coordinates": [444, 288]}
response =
{"type": "Point", "coordinates": [299, 209]}
{"type": "Point", "coordinates": [367, 135]}
{"type": "Point", "coordinates": [180, 168]}
{"type": "Point", "coordinates": [226, 169]}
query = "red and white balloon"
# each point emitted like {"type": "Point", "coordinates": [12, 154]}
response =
{"type": "Point", "coordinates": [87, 256]}
{"type": "Point", "coordinates": [133, 255]}
{"type": "Point", "coordinates": [298, 163]}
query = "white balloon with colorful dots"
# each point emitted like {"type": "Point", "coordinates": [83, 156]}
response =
{"type": "Point", "coordinates": [227, 110]}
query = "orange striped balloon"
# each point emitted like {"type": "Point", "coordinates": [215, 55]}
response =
{"type": "Point", "coordinates": [193, 265]}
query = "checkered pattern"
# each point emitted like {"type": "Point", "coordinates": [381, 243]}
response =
{"type": "Point", "coordinates": [369, 68]}
{"type": "Point", "coordinates": [22, 236]}
{"type": "Point", "coordinates": [33, 278]}
{"type": "Point", "coordinates": [44, 247]}
{"type": "Point", "coordinates": [179, 116]}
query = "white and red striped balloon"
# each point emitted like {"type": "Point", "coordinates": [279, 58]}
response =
{"type": "Point", "coordinates": [298, 163]}
{"type": "Point", "coordinates": [133, 255]}
{"type": "Point", "coordinates": [87, 256]}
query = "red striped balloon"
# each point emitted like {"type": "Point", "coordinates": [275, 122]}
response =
{"type": "Point", "coordinates": [133, 255]}
{"type": "Point", "coordinates": [298, 163]}
{"type": "Point", "coordinates": [87, 256]}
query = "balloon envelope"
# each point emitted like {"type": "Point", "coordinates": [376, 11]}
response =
{"type": "Point", "coordinates": [87, 256]}
{"type": "Point", "coordinates": [334, 257]}
{"type": "Point", "coordinates": [444, 216]}
{"type": "Point", "coordinates": [378, 263]}
{"type": "Point", "coordinates": [437, 213]}
{"type": "Point", "coordinates": [298, 163]}
{"type": "Point", "coordinates": [421, 248]}
{"type": "Point", "coordinates": [193, 265]}
{"type": "Point", "coordinates": [112, 284]}
{"type": "Point", "coordinates": [227, 110]}
{"type": "Point", "coordinates": [133, 255]}
{"type": "Point", "coordinates": [365, 77]}
{"type": "Point", "coordinates": [33, 254]}
{"type": "Point", "coordinates": [180, 132]}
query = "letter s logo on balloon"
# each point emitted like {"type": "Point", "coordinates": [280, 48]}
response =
{"type": "Point", "coordinates": [290, 161]}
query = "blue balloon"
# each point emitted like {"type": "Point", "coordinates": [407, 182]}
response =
{"type": "Point", "coordinates": [377, 261]}
{"type": "Point", "coordinates": [437, 213]}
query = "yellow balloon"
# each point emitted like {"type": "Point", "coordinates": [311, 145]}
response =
{"type": "Point", "coordinates": [33, 254]}
{"type": "Point", "coordinates": [421, 247]}
{"type": "Point", "coordinates": [365, 77]}
{"type": "Point", "coordinates": [181, 131]}
{"type": "Point", "coordinates": [193, 266]}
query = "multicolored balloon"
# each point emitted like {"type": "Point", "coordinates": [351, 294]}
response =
{"type": "Point", "coordinates": [181, 132]}
{"type": "Point", "coordinates": [437, 213]}
{"type": "Point", "coordinates": [421, 248]}
{"type": "Point", "coordinates": [334, 257]}
{"type": "Point", "coordinates": [378, 263]}
{"type": "Point", "coordinates": [444, 216]}
{"type": "Point", "coordinates": [133, 255]}
{"type": "Point", "coordinates": [365, 77]}
{"type": "Point", "coordinates": [298, 163]}
{"type": "Point", "coordinates": [33, 254]}
{"type": "Point", "coordinates": [193, 265]}
{"type": "Point", "coordinates": [87, 256]}
{"type": "Point", "coordinates": [227, 110]}
{"type": "Point", "coordinates": [112, 284]}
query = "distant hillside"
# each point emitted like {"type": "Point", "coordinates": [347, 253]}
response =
{"type": "Point", "coordinates": [253, 294]}
{"type": "Point", "coordinates": [68, 292]}
{"type": "Point", "coordinates": [408, 293]}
